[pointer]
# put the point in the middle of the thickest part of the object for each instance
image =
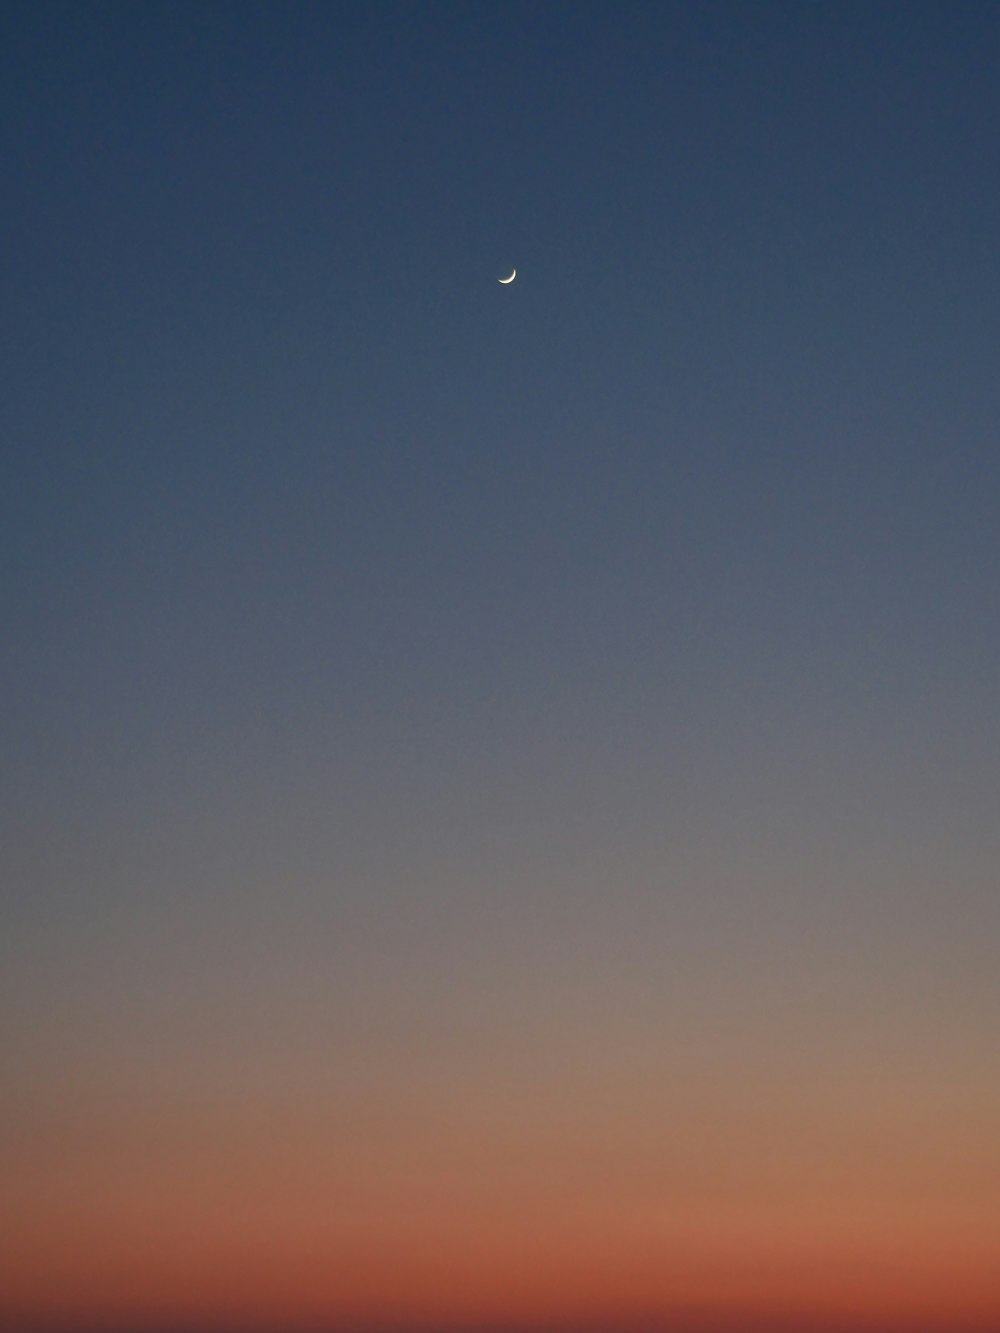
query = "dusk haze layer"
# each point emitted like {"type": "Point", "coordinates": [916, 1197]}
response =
{"type": "Point", "coordinates": [500, 660]}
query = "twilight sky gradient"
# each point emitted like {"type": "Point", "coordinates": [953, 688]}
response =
{"type": "Point", "coordinates": [499, 798]}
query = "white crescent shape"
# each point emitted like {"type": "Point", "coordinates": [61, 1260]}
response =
{"type": "Point", "coordinates": [510, 279]}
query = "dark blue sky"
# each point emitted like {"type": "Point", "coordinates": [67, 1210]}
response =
{"type": "Point", "coordinates": [365, 618]}
{"type": "Point", "coordinates": [267, 404]}
{"type": "Point", "coordinates": [287, 469]}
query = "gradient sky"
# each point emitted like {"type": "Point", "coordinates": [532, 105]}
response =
{"type": "Point", "coordinates": [499, 812]}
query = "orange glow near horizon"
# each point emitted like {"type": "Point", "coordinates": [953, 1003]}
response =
{"type": "Point", "coordinates": [515, 1265]}
{"type": "Point", "coordinates": [567, 1195]}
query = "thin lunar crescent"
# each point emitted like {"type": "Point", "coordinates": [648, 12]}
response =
{"type": "Point", "coordinates": [510, 279]}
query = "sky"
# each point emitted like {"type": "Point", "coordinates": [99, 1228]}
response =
{"type": "Point", "coordinates": [499, 786]}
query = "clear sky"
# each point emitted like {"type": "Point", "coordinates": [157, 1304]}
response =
{"type": "Point", "coordinates": [499, 811]}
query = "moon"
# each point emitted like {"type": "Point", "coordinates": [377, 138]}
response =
{"type": "Point", "coordinates": [510, 279]}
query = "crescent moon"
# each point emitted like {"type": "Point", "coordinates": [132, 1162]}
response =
{"type": "Point", "coordinates": [510, 279]}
